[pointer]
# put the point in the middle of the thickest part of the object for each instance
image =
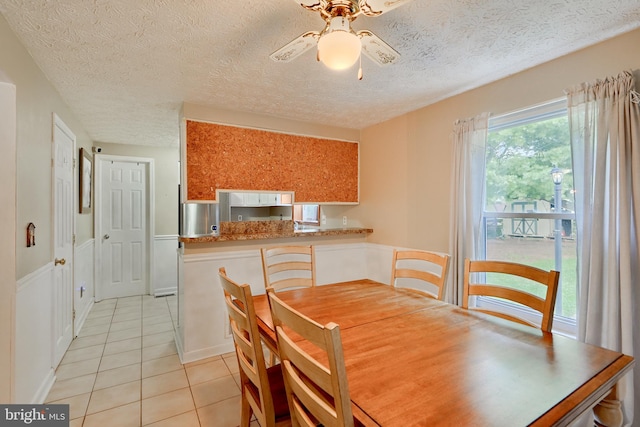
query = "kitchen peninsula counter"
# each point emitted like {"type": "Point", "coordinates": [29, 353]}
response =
{"type": "Point", "coordinates": [261, 230]}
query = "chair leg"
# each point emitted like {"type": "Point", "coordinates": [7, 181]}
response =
{"type": "Point", "coordinates": [246, 412]}
{"type": "Point", "coordinates": [273, 356]}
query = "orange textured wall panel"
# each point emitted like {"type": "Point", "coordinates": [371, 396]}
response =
{"type": "Point", "coordinates": [228, 157]}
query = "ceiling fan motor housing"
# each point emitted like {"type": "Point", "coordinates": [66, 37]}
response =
{"type": "Point", "coordinates": [344, 8]}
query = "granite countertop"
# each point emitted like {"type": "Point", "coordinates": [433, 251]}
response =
{"type": "Point", "coordinates": [257, 230]}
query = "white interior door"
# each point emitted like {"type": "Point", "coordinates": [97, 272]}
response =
{"type": "Point", "coordinates": [123, 228]}
{"type": "Point", "coordinates": [63, 229]}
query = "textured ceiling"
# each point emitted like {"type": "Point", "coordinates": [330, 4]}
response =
{"type": "Point", "coordinates": [126, 66]}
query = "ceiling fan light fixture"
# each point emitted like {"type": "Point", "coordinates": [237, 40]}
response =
{"type": "Point", "coordinates": [339, 47]}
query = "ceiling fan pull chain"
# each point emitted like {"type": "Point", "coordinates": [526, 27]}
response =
{"type": "Point", "coordinates": [360, 68]}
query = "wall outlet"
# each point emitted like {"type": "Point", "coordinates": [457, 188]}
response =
{"type": "Point", "coordinates": [344, 220]}
{"type": "Point", "coordinates": [324, 219]}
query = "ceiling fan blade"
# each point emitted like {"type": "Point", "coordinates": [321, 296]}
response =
{"type": "Point", "coordinates": [376, 49]}
{"type": "Point", "coordinates": [296, 47]}
{"type": "Point", "coordinates": [378, 7]}
{"type": "Point", "coordinates": [312, 4]}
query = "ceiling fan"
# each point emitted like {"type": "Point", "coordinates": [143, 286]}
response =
{"type": "Point", "coordinates": [339, 47]}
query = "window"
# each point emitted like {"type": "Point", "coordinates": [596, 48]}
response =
{"type": "Point", "coordinates": [306, 214]}
{"type": "Point", "coordinates": [523, 220]}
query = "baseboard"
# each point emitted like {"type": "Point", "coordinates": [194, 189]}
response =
{"type": "Point", "coordinates": [163, 292]}
{"type": "Point", "coordinates": [82, 318]}
{"type": "Point", "coordinates": [45, 388]}
{"type": "Point", "coordinates": [203, 353]}
{"type": "Point", "coordinates": [177, 338]}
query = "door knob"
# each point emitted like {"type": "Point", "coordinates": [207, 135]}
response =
{"type": "Point", "coordinates": [59, 261]}
{"type": "Point", "coordinates": [106, 237]}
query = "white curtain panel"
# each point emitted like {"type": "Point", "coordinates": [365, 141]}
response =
{"type": "Point", "coordinates": [605, 138]}
{"type": "Point", "coordinates": [469, 141]}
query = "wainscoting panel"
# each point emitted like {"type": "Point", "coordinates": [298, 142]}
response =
{"type": "Point", "coordinates": [203, 316]}
{"type": "Point", "coordinates": [379, 262]}
{"type": "Point", "coordinates": [340, 263]}
{"type": "Point", "coordinates": [84, 283]}
{"type": "Point", "coordinates": [34, 354]}
{"type": "Point", "coordinates": [165, 266]}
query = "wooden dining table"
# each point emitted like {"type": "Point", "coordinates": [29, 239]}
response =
{"type": "Point", "coordinates": [415, 361]}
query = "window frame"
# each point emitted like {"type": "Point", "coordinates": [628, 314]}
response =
{"type": "Point", "coordinates": [536, 113]}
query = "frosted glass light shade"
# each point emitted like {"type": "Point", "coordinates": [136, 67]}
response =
{"type": "Point", "coordinates": [556, 175]}
{"type": "Point", "coordinates": [340, 48]}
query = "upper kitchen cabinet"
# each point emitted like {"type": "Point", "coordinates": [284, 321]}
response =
{"type": "Point", "coordinates": [224, 157]}
{"type": "Point", "coordinates": [259, 199]}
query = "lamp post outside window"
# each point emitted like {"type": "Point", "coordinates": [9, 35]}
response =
{"type": "Point", "coordinates": [556, 176]}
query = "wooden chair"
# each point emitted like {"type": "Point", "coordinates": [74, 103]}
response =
{"type": "Point", "coordinates": [318, 393]}
{"type": "Point", "coordinates": [421, 260]}
{"type": "Point", "coordinates": [545, 305]}
{"type": "Point", "coordinates": [287, 267]}
{"type": "Point", "coordinates": [263, 390]}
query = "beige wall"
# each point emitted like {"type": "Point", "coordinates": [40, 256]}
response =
{"type": "Point", "coordinates": [406, 162]}
{"type": "Point", "coordinates": [37, 101]}
{"type": "Point", "coordinates": [165, 160]}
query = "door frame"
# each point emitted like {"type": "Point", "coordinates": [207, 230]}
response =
{"type": "Point", "coordinates": [8, 229]}
{"type": "Point", "coordinates": [99, 160]}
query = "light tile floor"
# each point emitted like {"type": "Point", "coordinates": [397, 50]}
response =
{"type": "Point", "coordinates": [123, 370]}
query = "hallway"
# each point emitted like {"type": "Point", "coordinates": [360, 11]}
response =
{"type": "Point", "coordinates": [123, 370]}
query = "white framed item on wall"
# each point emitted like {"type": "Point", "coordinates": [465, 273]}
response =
{"type": "Point", "coordinates": [86, 174]}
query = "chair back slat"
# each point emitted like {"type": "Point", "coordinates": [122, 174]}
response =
{"type": "Point", "coordinates": [545, 306]}
{"type": "Point", "coordinates": [286, 267]}
{"type": "Point", "coordinates": [427, 271]}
